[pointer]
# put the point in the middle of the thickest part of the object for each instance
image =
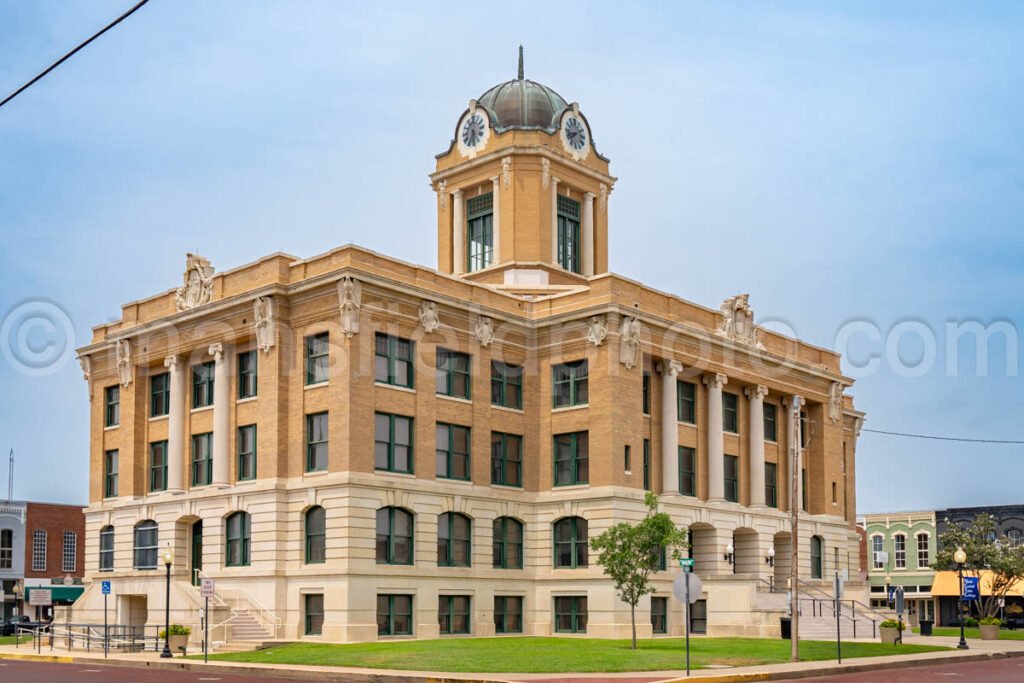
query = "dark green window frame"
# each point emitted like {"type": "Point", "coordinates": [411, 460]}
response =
{"type": "Point", "coordinates": [314, 609]}
{"type": "Point", "coordinates": [454, 540]}
{"type": "Point", "coordinates": [239, 539]}
{"type": "Point", "coordinates": [315, 523]}
{"type": "Point", "coordinates": [110, 459]}
{"type": "Point", "coordinates": [158, 466]}
{"type": "Point", "coordinates": [659, 615]}
{"type": "Point", "coordinates": [687, 471]}
{"type": "Point", "coordinates": [771, 485]}
{"type": "Point", "coordinates": [318, 356]}
{"type": "Point", "coordinates": [107, 549]}
{"type": "Point", "coordinates": [647, 393]}
{"type": "Point", "coordinates": [627, 459]}
{"type": "Point", "coordinates": [453, 614]}
{"type": "Point", "coordinates": [393, 361]}
{"type": "Point", "coordinates": [508, 543]}
{"type": "Point", "coordinates": [571, 614]}
{"type": "Point", "coordinates": [202, 384]}
{"type": "Point", "coordinates": [568, 214]}
{"type": "Point", "coordinates": [570, 384]}
{"type": "Point", "coordinates": [508, 614]}
{"type": "Point", "coordinates": [571, 458]}
{"type": "Point", "coordinates": [452, 446]}
{"type": "Point", "coordinates": [731, 476]}
{"type": "Point", "coordinates": [506, 459]}
{"type": "Point", "coordinates": [571, 543]}
{"type": "Point", "coordinates": [389, 452]}
{"type": "Point", "coordinates": [730, 413]}
{"type": "Point", "coordinates": [112, 402]}
{"type": "Point", "coordinates": [771, 425]}
{"type": "Point", "coordinates": [686, 402]}
{"type": "Point", "coordinates": [803, 489]}
{"type": "Point", "coordinates": [394, 615]}
{"type": "Point", "coordinates": [647, 464]}
{"type": "Point", "coordinates": [317, 442]}
{"type": "Point", "coordinates": [202, 459]}
{"type": "Point", "coordinates": [805, 432]}
{"type": "Point", "coordinates": [506, 385]}
{"type": "Point", "coordinates": [248, 377]}
{"type": "Point", "coordinates": [160, 395]}
{"type": "Point", "coordinates": [246, 452]}
{"type": "Point", "coordinates": [393, 546]}
{"type": "Point", "coordinates": [817, 557]}
{"type": "Point", "coordinates": [479, 232]}
{"type": "Point", "coordinates": [453, 374]}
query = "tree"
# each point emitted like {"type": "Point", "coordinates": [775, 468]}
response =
{"type": "Point", "coordinates": [630, 553]}
{"type": "Point", "coordinates": [1002, 557]}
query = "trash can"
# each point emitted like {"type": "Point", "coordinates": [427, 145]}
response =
{"type": "Point", "coordinates": [926, 627]}
{"type": "Point", "coordinates": [786, 626]}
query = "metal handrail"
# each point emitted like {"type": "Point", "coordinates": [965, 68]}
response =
{"type": "Point", "coordinates": [224, 597]}
{"type": "Point", "coordinates": [866, 608]}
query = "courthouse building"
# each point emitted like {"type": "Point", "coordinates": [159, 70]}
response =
{"type": "Point", "coordinates": [359, 448]}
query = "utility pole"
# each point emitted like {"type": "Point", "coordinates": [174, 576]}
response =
{"type": "Point", "coordinates": [10, 478]}
{"type": "Point", "coordinates": [794, 540]}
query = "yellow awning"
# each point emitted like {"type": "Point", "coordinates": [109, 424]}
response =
{"type": "Point", "coordinates": [947, 584]}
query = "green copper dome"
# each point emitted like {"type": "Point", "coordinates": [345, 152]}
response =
{"type": "Point", "coordinates": [524, 105]}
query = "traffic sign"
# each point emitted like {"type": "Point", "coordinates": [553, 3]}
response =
{"type": "Point", "coordinates": [899, 601]}
{"type": "Point", "coordinates": [686, 562]}
{"type": "Point", "coordinates": [206, 588]}
{"type": "Point", "coordinates": [40, 597]}
{"type": "Point", "coordinates": [971, 589]}
{"type": "Point", "coordinates": [679, 587]}
{"type": "Point", "coordinates": [105, 587]}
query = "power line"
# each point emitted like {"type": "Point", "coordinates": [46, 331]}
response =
{"type": "Point", "coordinates": [68, 55]}
{"type": "Point", "coordinates": [942, 438]}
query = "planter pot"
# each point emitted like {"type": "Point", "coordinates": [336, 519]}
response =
{"type": "Point", "coordinates": [888, 635]}
{"type": "Point", "coordinates": [989, 632]}
{"type": "Point", "coordinates": [177, 644]}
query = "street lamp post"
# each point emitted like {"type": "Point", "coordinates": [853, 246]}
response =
{"type": "Point", "coordinates": [168, 558]}
{"type": "Point", "coordinates": [770, 561]}
{"type": "Point", "coordinates": [730, 555]}
{"type": "Point", "coordinates": [960, 557]}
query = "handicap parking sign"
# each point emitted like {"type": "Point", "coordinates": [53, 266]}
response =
{"type": "Point", "coordinates": [105, 587]}
{"type": "Point", "coordinates": [971, 589]}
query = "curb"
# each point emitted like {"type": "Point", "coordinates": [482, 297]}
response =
{"type": "Point", "coordinates": [39, 658]}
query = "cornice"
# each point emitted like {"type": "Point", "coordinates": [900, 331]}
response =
{"type": "Point", "coordinates": [522, 150]}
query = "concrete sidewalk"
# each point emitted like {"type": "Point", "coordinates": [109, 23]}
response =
{"type": "Point", "coordinates": [979, 650]}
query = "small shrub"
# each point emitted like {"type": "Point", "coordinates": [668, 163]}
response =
{"type": "Point", "coordinates": [177, 630]}
{"type": "Point", "coordinates": [991, 621]}
{"type": "Point", "coordinates": [970, 622]}
{"type": "Point", "coordinates": [892, 623]}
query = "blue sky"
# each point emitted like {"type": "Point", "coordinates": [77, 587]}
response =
{"type": "Point", "coordinates": [840, 162]}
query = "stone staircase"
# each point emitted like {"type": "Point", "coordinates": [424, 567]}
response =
{"type": "Point", "coordinates": [246, 628]}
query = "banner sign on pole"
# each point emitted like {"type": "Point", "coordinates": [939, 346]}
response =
{"type": "Point", "coordinates": [972, 590]}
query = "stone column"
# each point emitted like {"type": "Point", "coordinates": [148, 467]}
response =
{"type": "Point", "coordinates": [458, 232]}
{"type": "Point", "coordinates": [221, 414]}
{"type": "Point", "coordinates": [756, 396]}
{"type": "Point", "coordinates": [588, 233]}
{"type": "Point", "coordinates": [554, 220]}
{"type": "Point", "coordinates": [176, 427]}
{"type": "Point", "coordinates": [496, 221]}
{"type": "Point", "coordinates": [716, 439]}
{"type": "Point", "coordinates": [669, 426]}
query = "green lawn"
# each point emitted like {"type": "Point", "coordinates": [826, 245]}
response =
{"type": "Point", "coordinates": [1004, 634]}
{"type": "Point", "coordinates": [9, 640]}
{"type": "Point", "coordinates": [555, 655]}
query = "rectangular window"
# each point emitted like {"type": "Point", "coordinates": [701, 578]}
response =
{"type": "Point", "coordinates": [314, 614]}
{"type": "Point", "coordinates": [39, 550]}
{"type": "Point", "coordinates": [202, 459]}
{"type": "Point", "coordinates": [626, 459]}
{"type": "Point", "coordinates": [317, 358]}
{"type": "Point", "coordinates": [479, 232]}
{"type": "Point", "coordinates": [110, 474]}
{"type": "Point", "coordinates": [69, 553]}
{"type": "Point", "coordinates": [506, 459]}
{"type": "Point", "coordinates": [771, 485]}
{"type": "Point", "coordinates": [394, 615]}
{"type": "Point", "coordinates": [107, 549]}
{"type": "Point", "coordinates": [572, 458]}
{"type": "Point", "coordinates": [770, 425]}
{"type": "Point", "coordinates": [569, 234]}
{"type": "Point", "coordinates": [393, 443]}
{"type": "Point", "coordinates": [687, 471]}
{"type": "Point", "coordinates": [571, 614]}
{"type": "Point", "coordinates": [506, 385]}
{"type": "Point", "coordinates": [805, 430]}
{"type": "Point", "coordinates": [158, 466]}
{"type": "Point", "coordinates": [647, 393]}
{"type": "Point", "coordinates": [834, 493]}
{"type": "Point", "coordinates": [453, 614]}
{"type": "Point", "coordinates": [732, 478]}
{"type": "Point", "coordinates": [160, 395]}
{"type": "Point", "coordinates": [730, 413]}
{"type": "Point", "coordinates": [508, 614]}
{"type": "Point", "coordinates": [112, 401]}
{"type": "Point", "coordinates": [202, 384]}
{"type": "Point", "coordinates": [393, 361]}
{"type": "Point", "coordinates": [452, 452]}
{"type": "Point", "coordinates": [246, 452]}
{"type": "Point", "coordinates": [923, 558]}
{"type": "Point", "coordinates": [803, 489]}
{"type": "Point", "coordinates": [647, 464]}
{"type": "Point", "coordinates": [453, 374]}
{"type": "Point", "coordinates": [570, 384]}
{"type": "Point", "coordinates": [659, 615]}
{"type": "Point", "coordinates": [247, 377]}
{"type": "Point", "coordinates": [876, 552]}
{"type": "Point", "coordinates": [686, 402]}
{"type": "Point", "coordinates": [899, 543]}
{"type": "Point", "coordinates": [316, 442]}
{"type": "Point", "coordinates": [6, 548]}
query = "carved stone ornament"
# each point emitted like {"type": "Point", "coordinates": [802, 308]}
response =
{"type": "Point", "coordinates": [629, 342]}
{"type": "Point", "coordinates": [506, 171]}
{"type": "Point", "coordinates": [545, 173]}
{"type": "Point", "coordinates": [738, 321]}
{"type": "Point", "coordinates": [197, 287]}
{"type": "Point", "coordinates": [597, 330]}
{"type": "Point", "coordinates": [428, 316]}
{"type": "Point", "coordinates": [124, 361]}
{"type": "Point", "coordinates": [263, 311]}
{"type": "Point", "coordinates": [442, 193]}
{"type": "Point", "coordinates": [835, 402]}
{"type": "Point", "coordinates": [858, 424]}
{"type": "Point", "coordinates": [86, 364]}
{"type": "Point", "coordinates": [604, 197]}
{"type": "Point", "coordinates": [350, 293]}
{"type": "Point", "coordinates": [484, 330]}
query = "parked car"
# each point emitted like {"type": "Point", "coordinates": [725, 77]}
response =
{"type": "Point", "coordinates": [7, 629]}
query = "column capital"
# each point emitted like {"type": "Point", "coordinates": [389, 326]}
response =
{"type": "Point", "coordinates": [217, 350]}
{"type": "Point", "coordinates": [554, 181]}
{"type": "Point", "coordinates": [457, 194]}
{"type": "Point", "coordinates": [494, 181]}
{"type": "Point", "coordinates": [670, 368]}
{"type": "Point", "coordinates": [171, 362]}
{"type": "Point", "coordinates": [589, 196]}
{"type": "Point", "coordinates": [791, 401]}
{"type": "Point", "coordinates": [716, 381]}
{"type": "Point", "coordinates": [758, 392]}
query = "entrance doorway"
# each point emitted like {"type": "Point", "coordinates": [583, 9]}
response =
{"type": "Point", "coordinates": [197, 551]}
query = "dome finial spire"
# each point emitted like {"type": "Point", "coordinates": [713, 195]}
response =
{"type": "Point", "coordinates": [520, 62]}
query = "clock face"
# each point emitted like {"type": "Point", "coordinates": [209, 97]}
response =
{"type": "Point", "coordinates": [473, 130]}
{"type": "Point", "coordinates": [575, 133]}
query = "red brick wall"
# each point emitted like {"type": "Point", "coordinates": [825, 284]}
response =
{"type": "Point", "coordinates": [54, 520]}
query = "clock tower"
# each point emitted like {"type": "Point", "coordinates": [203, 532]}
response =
{"type": "Point", "coordinates": [522, 192]}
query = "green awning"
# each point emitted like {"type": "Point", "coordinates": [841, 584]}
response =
{"type": "Point", "coordinates": [61, 594]}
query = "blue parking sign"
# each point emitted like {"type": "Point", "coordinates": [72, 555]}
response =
{"type": "Point", "coordinates": [105, 587]}
{"type": "Point", "coordinates": [971, 588]}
